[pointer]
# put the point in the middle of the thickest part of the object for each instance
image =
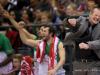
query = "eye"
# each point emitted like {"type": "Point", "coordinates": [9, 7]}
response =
{"type": "Point", "coordinates": [44, 30]}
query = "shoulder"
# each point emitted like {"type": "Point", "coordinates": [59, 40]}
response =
{"type": "Point", "coordinates": [57, 41]}
{"type": "Point", "coordinates": [2, 36]}
{"type": "Point", "coordinates": [97, 27]}
{"type": "Point", "coordinates": [60, 44]}
{"type": "Point", "coordinates": [82, 18]}
{"type": "Point", "coordinates": [98, 24]}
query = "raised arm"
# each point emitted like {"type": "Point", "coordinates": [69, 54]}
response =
{"type": "Point", "coordinates": [25, 36]}
{"type": "Point", "coordinates": [19, 25]}
{"type": "Point", "coordinates": [14, 23]}
{"type": "Point", "coordinates": [27, 41]}
{"type": "Point", "coordinates": [29, 35]}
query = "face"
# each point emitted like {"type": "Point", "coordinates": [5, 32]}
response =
{"type": "Point", "coordinates": [12, 13]}
{"type": "Point", "coordinates": [16, 63]}
{"type": "Point", "coordinates": [69, 10]}
{"type": "Point", "coordinates": [37, 13]}
{"type": "Point", "coordinates": [25, 15]}
{"type": "Point", "coordinates": [90, 5]}
{"type": "Point", "coordinates": [44, 32]}
{"type": "Point", "coordinates": [95, 16]}
{"type": "Point", "coordinates": [44, 19]}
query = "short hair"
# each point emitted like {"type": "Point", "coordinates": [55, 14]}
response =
{"type": "Point", "coordinates": [72, 5]}
{"type": "Point", "coordinates": [96, 8]}
{"type": "Point", "coordinates": [17, 56]}
{"type": "Point", "coordinates": [46, 13]}
{"type": "Point", "coordinates": [51, 28]}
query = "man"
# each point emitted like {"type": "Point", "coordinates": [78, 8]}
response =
{"type": "Point", "coordinates": [50, 51]}
{"type": "Point", "coordinates": [87, 38]}
{"type": "Point", "coordinates": [6, 52]}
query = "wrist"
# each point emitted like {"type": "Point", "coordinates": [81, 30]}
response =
{"type": "Point", "coordinates": [55, 69]}
{"type": "Point", "coordinates": [10, 17]}
{"type": "Point", "coordinates": [55, 8]}
{"type": "Point", "coordinates": [87, 46]}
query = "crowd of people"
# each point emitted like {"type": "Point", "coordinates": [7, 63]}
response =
{"type": "Point", "coordinates": [51, 28]}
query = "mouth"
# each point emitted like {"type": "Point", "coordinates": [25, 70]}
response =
{"type": "Point", "coordinates": [38, 33]}
{"type": "Point", "coordinates": [95, 20]}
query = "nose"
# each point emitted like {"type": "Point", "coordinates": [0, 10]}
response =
{"type": "Point", "coordinates": [98, 17]}
{"type": "Point", "coordinates": [39, 32]}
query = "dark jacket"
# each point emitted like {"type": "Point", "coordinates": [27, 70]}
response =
{"type": "Point", "coordinates": [94, 44]}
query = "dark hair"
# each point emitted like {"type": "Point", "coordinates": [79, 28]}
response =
{"type": "Point", "coordinates": [51, 28]}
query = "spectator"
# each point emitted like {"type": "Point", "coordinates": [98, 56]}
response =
{"type": "Point", "coordinates": [87, 39]}
{"type": "Point", "coordinates": [51, 66]}
{"type": "Point", "coordinates": [17, 58]}
{"type": "Point", "coordinates": [6, 52]}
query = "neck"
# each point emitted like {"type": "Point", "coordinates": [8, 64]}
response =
{"type": "Point", "coordinates": [50, 40]}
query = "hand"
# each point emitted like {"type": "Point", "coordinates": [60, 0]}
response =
{"type": "Point", "coordinates": [1, 9]}
{"type": "Point", "coordinates": [83, 46]}
{"type": "Point", "coordinates": [52, 72]}
{"type": "Point", "coordinates": [72, 22]}
{"type": "Point", "coordinates": [21, 24]}
{"type": "Point", "coordinates": [6, 14]}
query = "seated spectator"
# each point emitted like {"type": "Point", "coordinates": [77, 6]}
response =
{"type": "Point", "coordinates": [6, 52]}
{"type": "Point", "coordinates": [16, 61]}
{"type": "Point", "coordinates": [87, 39]}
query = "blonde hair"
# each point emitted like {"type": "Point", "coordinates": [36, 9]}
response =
{"type": "Point", "coordinates": [72, 5]}
{"type": "Point", "coordinates": [47, 14]}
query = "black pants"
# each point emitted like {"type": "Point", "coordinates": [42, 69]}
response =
{"type": "Point", "coordinates": [69, 58]}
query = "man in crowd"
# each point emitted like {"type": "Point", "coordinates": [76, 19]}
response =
{"type": "Point", "coordinates": [50, 52]}
{"type": "Point", "coordinates": [87, 38]}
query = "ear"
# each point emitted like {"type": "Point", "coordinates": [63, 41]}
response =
{"type": "Point", "coordinates": [51, 34]}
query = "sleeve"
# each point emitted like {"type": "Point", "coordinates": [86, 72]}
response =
{"type": "Point", "coordinates": [95, 45]}
{"type": "Point", "coordinates": [79, 23]}
{"type": "Point", "coordinates": [7, 48]}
